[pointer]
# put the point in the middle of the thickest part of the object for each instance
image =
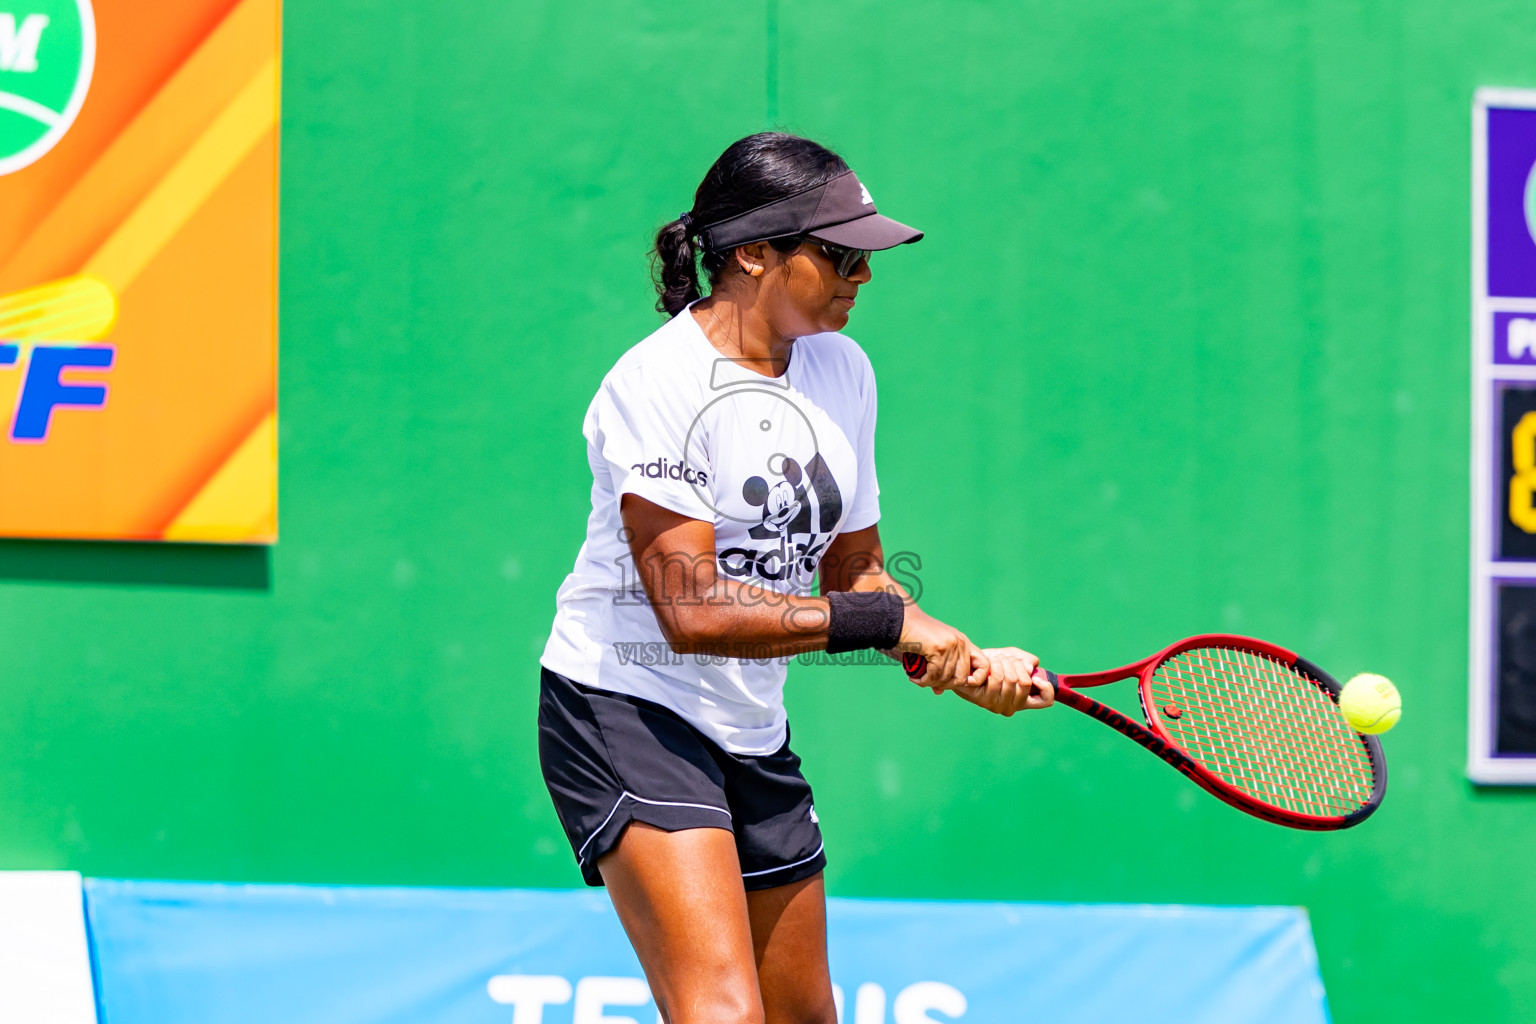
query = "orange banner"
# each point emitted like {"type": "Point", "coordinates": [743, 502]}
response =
{"type": "Point", "coordinates": [138, 269]}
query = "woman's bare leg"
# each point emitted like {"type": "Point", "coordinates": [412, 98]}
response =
{"type": "Point", "coordinates": [789, 942]}
{"type": "Point", "coordinates": [681, 900]}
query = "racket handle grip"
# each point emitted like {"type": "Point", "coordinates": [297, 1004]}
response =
{"type": "Point", "coordinates": [916, 667]}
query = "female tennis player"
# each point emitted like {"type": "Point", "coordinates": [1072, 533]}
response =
{"type": "Point", "coordinates": [732, 457]}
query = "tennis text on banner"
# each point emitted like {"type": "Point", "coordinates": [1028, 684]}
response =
{"type": "Point", "coordinates": [530, 994]}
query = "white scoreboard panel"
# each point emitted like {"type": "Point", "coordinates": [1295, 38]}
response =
{"type": "Point", "coordinates": [1502, 740]}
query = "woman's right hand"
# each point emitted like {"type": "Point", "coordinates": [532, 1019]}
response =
{"type": "Point", "coordinates": [952, 659]}
{"type": "Point", "coordinates": [1015, 683]}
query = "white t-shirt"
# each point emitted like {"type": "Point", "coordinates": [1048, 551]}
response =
{"type": "Point", "coordinates": [779, 466]}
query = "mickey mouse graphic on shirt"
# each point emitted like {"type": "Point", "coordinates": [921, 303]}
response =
{"type": "Point", "coordinates": [788, 513]}
{"type": "Point", "coordinates": [781, 502]}
{"type": "Point", "coordinates": [789, 508]}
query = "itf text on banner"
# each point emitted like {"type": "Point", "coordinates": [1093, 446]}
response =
{"type": "Point", "coordinates": [138, 279]}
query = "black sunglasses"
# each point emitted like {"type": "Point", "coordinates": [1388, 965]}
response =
{"type": "Point", "coordinates": [844, 259]}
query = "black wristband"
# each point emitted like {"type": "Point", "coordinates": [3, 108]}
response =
{"type": "Point", "coordinates": [864, 619]}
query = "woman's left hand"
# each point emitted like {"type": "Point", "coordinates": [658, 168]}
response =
{"type": "Point", "coordinates": [1014, 683]}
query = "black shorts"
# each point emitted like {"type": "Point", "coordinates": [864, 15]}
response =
{"type": "Point", "coordinates": [610, 759]}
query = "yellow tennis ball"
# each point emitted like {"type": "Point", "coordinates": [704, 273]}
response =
{"type": "Point", "coordinates": [1370, 703]}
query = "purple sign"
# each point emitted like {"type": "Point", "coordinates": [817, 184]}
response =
{"type": "Point", "coordinates": [1514, 338]}
{"type": "Point", "coordinates": [1502, 694]}
{"type": "Point", "coordinates": [1511, 202]}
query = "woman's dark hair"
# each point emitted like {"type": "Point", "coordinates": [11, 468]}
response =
{"type": "Point", "coordinates": [752, 172]}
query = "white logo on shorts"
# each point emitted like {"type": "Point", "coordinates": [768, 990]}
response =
{"type": "Point", "coordinates": [814, 820]}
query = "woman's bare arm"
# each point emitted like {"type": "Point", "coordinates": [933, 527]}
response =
{"type": "Point", "coordinates": [700, 611]}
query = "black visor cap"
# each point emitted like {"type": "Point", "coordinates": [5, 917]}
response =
{"type": "Point", "coordinates": [839, 211]}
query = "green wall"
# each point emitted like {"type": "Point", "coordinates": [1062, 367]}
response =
{"type": "Point", "coordinates": [1185, 350]}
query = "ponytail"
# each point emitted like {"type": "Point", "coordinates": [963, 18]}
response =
{"type": "Point", "coordinates": [675, 266]}
{"type": "Point", "coordinates": [752, 172]}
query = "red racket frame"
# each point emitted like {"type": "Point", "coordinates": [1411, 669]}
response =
{"type": "Point", "coordinates": [1160, 742]}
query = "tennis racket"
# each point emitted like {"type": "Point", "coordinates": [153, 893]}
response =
{"type": "Point", "coordinates": [1248, 722]}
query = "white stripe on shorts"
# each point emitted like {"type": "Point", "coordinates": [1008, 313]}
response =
{"type": "Point", "coordinates": [655, 803]}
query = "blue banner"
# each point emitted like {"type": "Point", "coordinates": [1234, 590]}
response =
{"type": "Point", "coordinates": [184, 953]}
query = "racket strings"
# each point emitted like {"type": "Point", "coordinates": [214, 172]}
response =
{"type": "Point", "coordinates": [1285, 758]}
{"type": "Point", "coordinates": [1268, 746]}
{"type": "Point", "coordinates": [1318, 785]}
{"type": "Point", "coordinates": [1263, 728]}
{"type": "Point", "coordinates": [1255, 766]}
{"type": "Point", "coordinates": [1272, 764]}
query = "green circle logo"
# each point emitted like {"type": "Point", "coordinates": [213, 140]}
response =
{"type": "Point", "coordinates": [47, 53]}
